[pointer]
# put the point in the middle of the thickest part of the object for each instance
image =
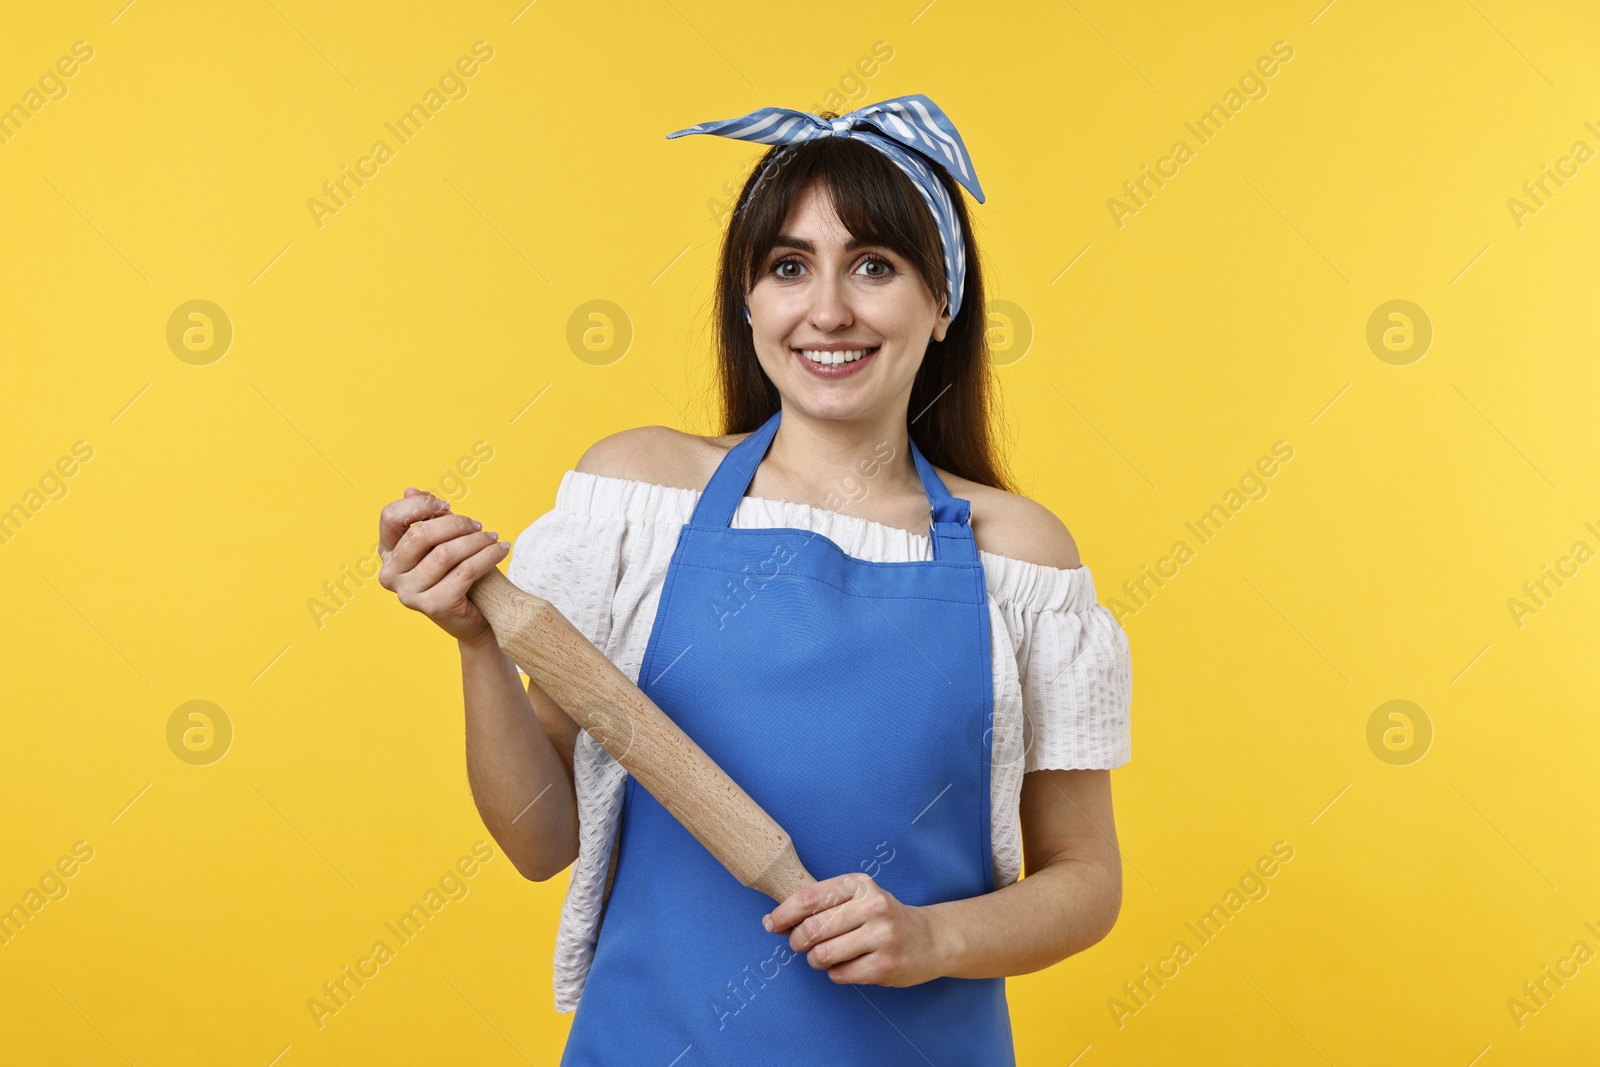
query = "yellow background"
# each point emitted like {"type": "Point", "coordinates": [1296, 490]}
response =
{"type": "Point", "coordinates": [432, 310]}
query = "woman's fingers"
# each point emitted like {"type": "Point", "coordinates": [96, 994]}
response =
{"type": "Point", "coordinates": [427, 583]}
{"type": "Point", "coordinates": [826, 924]}
{"type": "Point", "coordinates": [431, 557]}
{"type": "Point", "coordinates": [847, 946]}
{"type": "Point", "coordinates": [415, 544]}
{"type": "Point", "coordinates": [395, 520]}
{"type": "Point", "coordinates": [454, 585]}
{"type": "Point", "coordinates": [810, 904]}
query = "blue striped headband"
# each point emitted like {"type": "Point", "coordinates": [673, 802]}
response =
{"type": "Point", "coordinates": [911, 130]}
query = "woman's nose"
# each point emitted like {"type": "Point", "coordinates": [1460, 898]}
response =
{"type": "Point", "coordinates": [830, 302]}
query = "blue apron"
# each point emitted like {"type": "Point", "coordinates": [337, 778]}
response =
{"type": "Point", "coordinates": [852, 700]}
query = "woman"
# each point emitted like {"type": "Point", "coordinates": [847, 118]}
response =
{"type": "Point", "coordinates": [871, 685]}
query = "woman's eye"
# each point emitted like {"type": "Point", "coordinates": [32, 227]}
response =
{"type": "Point", "coordinates": [884, 263]}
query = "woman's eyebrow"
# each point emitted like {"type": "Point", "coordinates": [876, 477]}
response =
{"type": "Point", "coordinates": [787, 241]}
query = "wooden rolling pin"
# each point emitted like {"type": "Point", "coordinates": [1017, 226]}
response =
{"type": "Point", "coordinates": [648, 744]}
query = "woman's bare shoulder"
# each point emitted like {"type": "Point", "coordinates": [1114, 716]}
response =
{"type": "Point", "coordinates": [1012, 525]}
{"type": "Point", "coordinates": [657, 454]}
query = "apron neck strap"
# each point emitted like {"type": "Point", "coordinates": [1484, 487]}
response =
{"type": "Point", "coordinates": [949, 524]}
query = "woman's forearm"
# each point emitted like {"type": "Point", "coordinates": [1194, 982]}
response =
{"type": "Point", "coordinates": [1037, 921]}
{"type": "Point", "coordinates": [519, 780]}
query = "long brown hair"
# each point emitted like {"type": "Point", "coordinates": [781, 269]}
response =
{"type": "Point", "coordinates": [953, 397]}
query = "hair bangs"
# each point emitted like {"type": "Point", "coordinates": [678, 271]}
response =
{"type": "Point", "coordinates": [873, 199]}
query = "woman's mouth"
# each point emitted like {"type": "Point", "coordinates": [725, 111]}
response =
{"type": "Point", "coordinates": [834, 364]}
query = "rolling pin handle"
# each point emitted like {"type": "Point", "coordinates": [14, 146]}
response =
{"type": "Point", "coordinates": [784, 876]}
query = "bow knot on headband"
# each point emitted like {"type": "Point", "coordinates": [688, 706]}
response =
{"type": "Point", "coordinates": [911, 130]}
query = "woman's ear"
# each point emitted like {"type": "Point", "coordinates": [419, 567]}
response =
{"type": "Point", "coordinates": [941, 325]}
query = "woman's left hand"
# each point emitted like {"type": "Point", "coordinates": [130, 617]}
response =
{"type": "Point", "coordinates": [857, 931]}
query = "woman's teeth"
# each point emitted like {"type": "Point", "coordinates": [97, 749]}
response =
{"type": "Point", "coordinates": [836, 357]}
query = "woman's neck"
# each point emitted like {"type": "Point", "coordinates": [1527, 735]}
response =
{"type": "Point", "coordinates": [832, 463]}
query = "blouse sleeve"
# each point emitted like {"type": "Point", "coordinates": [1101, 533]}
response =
{"type": "Point", "coordinates": [574, 560]}
{"type": "Point", "coordinates": [1076, 675]}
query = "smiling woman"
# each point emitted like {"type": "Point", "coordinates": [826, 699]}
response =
{"type": "Point", "coordinates": [869, 692]}
{"type": "Point", "coordinates": [927, 678]}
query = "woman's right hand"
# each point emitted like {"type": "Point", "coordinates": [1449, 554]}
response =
{"type": "Point", "coordinates": [431, 557]}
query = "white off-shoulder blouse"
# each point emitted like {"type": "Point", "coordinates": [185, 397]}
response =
{"type": "Point", "coordinates": [1061, 668]}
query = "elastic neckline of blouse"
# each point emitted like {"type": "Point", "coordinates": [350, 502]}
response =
{"type": "Point", "coordinates": [1017, 582]}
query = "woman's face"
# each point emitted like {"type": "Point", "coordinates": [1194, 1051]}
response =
{"type": "Point", "coordinates": [814, 291]}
